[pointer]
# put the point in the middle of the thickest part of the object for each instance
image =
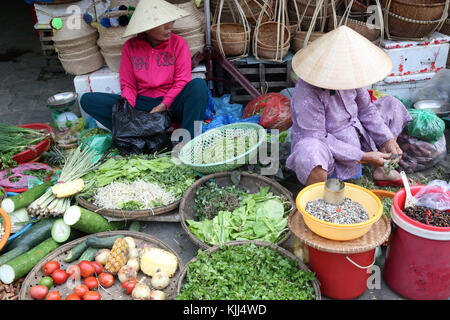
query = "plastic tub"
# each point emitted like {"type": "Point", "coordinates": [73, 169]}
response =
{"type": "Point", "coordinates": [418, 257]}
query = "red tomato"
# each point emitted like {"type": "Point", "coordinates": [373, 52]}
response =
{"type": "Point", "coordinates": [73, 296]}
{"type": "Point", "coordinates": [53, 295]}
{"type": "Point", "coordinates": [106, 279]}
{"type": "Point", "coordinates": [80, 290]}
{"type": "Point", "coordinates": [59, 276]}
{"type": "Point", "coordinates": [38, 292]}
{"type": "Point", "coordinates": [74, 272]}
{"type": "Point", "coordinates": [86, 268]}
{"type": "Point", "coordinates": [129, 285]}
{"type": "Point", "coordinates": [92, 295]}
{"type": "Point", "coordinates": [91, 282]}
{"type": "Point", "coordinates": [98, 267]}
{"type": "Point", "coordinates": [50, 266]}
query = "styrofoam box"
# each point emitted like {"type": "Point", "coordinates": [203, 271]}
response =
{"type": "Point", "coordinates": [45, 12]}
{"type": "Point", "coordinates": [413, 57]}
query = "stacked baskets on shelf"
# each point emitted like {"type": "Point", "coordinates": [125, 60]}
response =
{"type": "Point", "coordinates": [111, 42]}
{"type": "Point", "coordinates": [191, 27]}
{"type": "Point", "coordinates": [300, 36]}
{"type": "Point", "coordinates": [76, 44]}
{"type": "Point", "coordinates": [271, 41]}
{"type": "Point", "coordinates": [412, 19]}
{"type": "Point", "coordinates": [252, 10]}
{"type": "Point", "coordinates": [234, 38]}
{"type": "Point", "coordinates": [370, 31]}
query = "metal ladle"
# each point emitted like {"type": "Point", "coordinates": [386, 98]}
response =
{"type": "Point", "coordinates": [333, 192]}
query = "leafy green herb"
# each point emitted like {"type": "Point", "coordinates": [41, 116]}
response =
{"type": "Point", "coordinates": [387, 206]}
{"type": "Point", "coordinates": [246, 272]}
{"type": "Point", "coordinates": [130, 205]}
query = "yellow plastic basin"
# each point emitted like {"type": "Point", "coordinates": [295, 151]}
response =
{"type": "Point", "coordinates": [335, 231]}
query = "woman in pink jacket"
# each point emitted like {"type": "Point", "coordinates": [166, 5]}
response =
{"type": "Point", "coordinates": [155, 70]}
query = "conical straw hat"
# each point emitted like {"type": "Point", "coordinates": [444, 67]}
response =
{"type": "Point", "coordinates": [341, 59]}
{"type": "Point", "coordinates": [150, 14]}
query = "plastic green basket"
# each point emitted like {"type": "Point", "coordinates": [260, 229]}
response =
{"type": "Point", "coordinates": [223, 148]}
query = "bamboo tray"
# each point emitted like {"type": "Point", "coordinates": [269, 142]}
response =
{"type": "Point", "coordinates": [283, 252]}
{"type": "Point", "coordinates": [115, 291]}
{"type": "Point", "coordinates": [128, 214]}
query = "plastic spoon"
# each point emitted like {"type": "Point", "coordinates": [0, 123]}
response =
{"type": "Point", "coordinates": [409, 198]}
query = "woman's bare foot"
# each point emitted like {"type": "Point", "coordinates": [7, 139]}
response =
{"type": "Point", "coordinates": [380, 174]}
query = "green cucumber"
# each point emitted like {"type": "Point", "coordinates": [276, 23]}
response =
{"type": "Point", "coordinates": [37, 233]}
{"type": "Point", "coordinates": [60, 231]}
{"type": "Point", "coordinates": [11, 254]}
{"type": "Point", "coordinates": [135, 226]}
{"type": "Point", "coordinates": [21, 265]}
{"type": "Point", "coordinates": [97, 242]}
{"type": "Point", "coordinates": [76, 252]}
{"type": "Point", "coordinates": [88, 221]}
{"type": "Point", "coordinates": [88, 254]}
{"type": "Point", "coordinates": [25, 198]}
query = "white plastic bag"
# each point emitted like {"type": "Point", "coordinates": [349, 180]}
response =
{"type": "Point", "coordinates": [435, 195]}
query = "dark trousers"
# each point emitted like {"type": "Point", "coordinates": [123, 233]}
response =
{"type": "Point", "coordinates": [189, 106]}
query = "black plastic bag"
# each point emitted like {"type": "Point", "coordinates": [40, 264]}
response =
{"type": "Point", "coordinates": [137, 132]}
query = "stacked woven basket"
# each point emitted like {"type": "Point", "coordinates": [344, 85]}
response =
{"type": "Point", "coordinates": [234, 38]}
{"type": "Point", "coordinates": [76, 44]}
{"type": "Point", "coordinates": [191, 27]}
{"type": "Point", "coordinates": [272, 40]}
{"type": "Point", "coordinates": [111, 42]}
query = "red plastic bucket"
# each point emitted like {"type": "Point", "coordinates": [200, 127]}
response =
{"type": "Point", "coordinates": [341, 276]}
{"type": "Point", "coordinates": [418, 257]}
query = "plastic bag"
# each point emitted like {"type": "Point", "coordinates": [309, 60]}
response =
{"type": "Point", "coordinates": [420, 155]}
{"type": "Point", "coordinates": [223, 106]}
{"type": "Point", "coordinates": [425, 125]}
{"type": "Point", "coordinates": [435, 195]}
{"type": "Point", "coordinates": [438, 88]}
{"type": "Point", "coordinates": [219, 121]}
{"type": "Point", "coordinates": [274, 108]}
{"type": "Point", "coordinates": [137, 132]}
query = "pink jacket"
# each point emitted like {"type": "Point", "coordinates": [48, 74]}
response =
{"type": "Point", "coordinates": [162, 71]}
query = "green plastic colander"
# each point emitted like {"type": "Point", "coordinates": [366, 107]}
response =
{"type": "Point", "coordinates": [224, 148]}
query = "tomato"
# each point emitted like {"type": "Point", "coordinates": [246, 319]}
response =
{"type": "Point", "coordinates": [98, 267]}
{"type": "Point", "coordinates": [73, 296]}
{"type": "Point", "coordinates": [46, 281]}
{"type": "Point", "coordinates": [53, 295]}
{"type": "Point", "coordinates": [80, 290]}
{"type": "Point", "coordinates": [91, 282]}
{"type": "Point", "coordinates": [59, 276]}
{"type": "Point", "coordinates": [92, 295]}
{"type": "Point", "coordinates": [74, 272]}
{"type": "Point", "coordinates": [106, 279]}
{"type": "Point", "coordinates": [38, 292]}
{"type": "Point", "coordinates": [129, 285]}
{"type": "Point", "coordinates": [50, 266]}
{"type": "Point", "coordinates": [86, 268]}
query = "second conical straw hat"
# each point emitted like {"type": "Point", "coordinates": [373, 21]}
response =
{"type": "Point", "coordinates": [150, 14]}
{"type": "Point", "coordinates": [341, 59]}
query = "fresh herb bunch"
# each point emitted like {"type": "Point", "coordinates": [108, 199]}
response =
{"type": "Point", "coordinates": [246, 272]}
{"type": "Point", "coordinates": [210, 199]}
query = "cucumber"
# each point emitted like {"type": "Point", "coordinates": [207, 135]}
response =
{"type": "Point", "coordinates": [4, 258]}
{"type": "Point", "coordinates": [76, 252]}
{"type": "Point", "coordinates": [135, 226]}
{"type": "Point", "coordinates": [88, 221]}
{"type": "Point", "coordinates": [60, 231]}
{"type": "Point", "coordinates": [24, 199]}
{"type": "Point", "coordinates": [21, 265]}
{"type": "Point", "coordinates": [88, 254]}
{"type": "Point", "coordinates": [37, 233]}
{"type": "Point", "coordinates": [97, 242]}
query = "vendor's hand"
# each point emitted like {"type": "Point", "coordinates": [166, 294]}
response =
{"type": "Point", "coordinates": [376, 158]}
{"type": "Point", "coordinates": [391, 146]}
{"type": "Point", "coordinates": [159, 108]}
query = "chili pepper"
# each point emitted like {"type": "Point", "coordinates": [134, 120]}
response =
{"type": "Point", "coordinates": [436, 214]}
{"type": "Point", "coordinates": [339, 209]}
{"type": "Point", "coordinates": [428, 213]}
{"type": "Point", "coordinates": [426, 221]}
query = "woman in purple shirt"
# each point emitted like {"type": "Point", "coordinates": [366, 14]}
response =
{"type": "Point", "coordinates": [336, 127]}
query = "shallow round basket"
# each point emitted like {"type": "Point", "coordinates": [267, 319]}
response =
{"type": "Point", "coordinates": [112, 60]}
{"type": "Point", "coordinates": [283, 252]}
{"type": "Point", "coordinates": [249, 182]}
{"type": "Point", "coordinates": [116, 291]}
{"type": "Point", "coordinates": [34, 153]}
{"type": "Point", "coordinates": [192, 153]}
{"type": "Point", "coordinates": [334, 231]}
{"type": "Point", "coordinates": [383, 194]}
{"type": "Point", "coordinates": [267, 34]}
{"type": "Point", "coordinates": [230, 32]}
{"type": "Point", "coordinates": [6, 222]}
{"type": "Point", "coordinates": [272, 53]}
{"type": "Point", "coordinates": [232, 49]}
{"type": "Point", "coordinates": [300, 36]}
{"type": "Point", "coordinates": [84, 65]}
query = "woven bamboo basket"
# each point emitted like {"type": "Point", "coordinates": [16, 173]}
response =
{"type": "Point", "coordinates": [280, 250]}
{"type": "Point", "coordinates": [85, 41]}
{"type": "Point", "coordinates": [116, 291]}
{"type": "Point", "coordinates": [382, 194]}
{"type": "Point", "coordinates": [306, 22]}
{"type": "Point", "coordinates": [192, 32]}
{"type": "Point", "coordinates": [230, 32]}
{"type": "Point", "coordinates": [359, 6]}
{"type": "Point", "coordinates": [249, 182]}
{"type": "Point", "coordinates": [74, 27]}
{"type": "Point", "coordinates": [300, 37]}
{"type": "Point", "coordinates": [110, 46]}
{"type": "Point", "coordinates": [370, 31]}
{"type": "Point", "coordinates": [83, 65]}
{"type": "Point", "coordinates": [191, 22]}
{"type": "Point", "coordinates": [79, 54]}
{"type": "Point", "coordinates": [272, 53]}
{"type": "Point", "coordinates": [412, 19]}
{"type": "Point", "coordinates": [252, 10]}
{"type": "Point", "coordinates": [232, 49]}
{"type": "Point", "coordinates": [195, 40]}
{"type": "Point", "coordinates": [267, 35]}
{"type": "Point", "coordinates": [446, 27]}
{"type": "Point", "coordinates": [112, 60]}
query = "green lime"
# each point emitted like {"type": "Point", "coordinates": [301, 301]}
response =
{"type": "Point", "coordinates": [46, 281]}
